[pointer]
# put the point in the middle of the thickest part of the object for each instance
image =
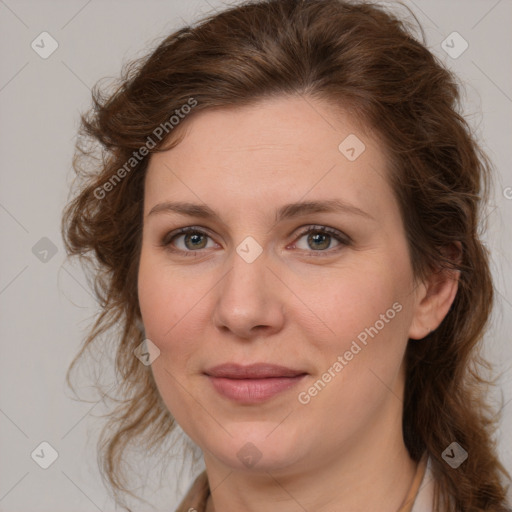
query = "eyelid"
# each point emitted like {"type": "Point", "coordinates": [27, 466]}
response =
{"type": "Point", "coordinates": [342, 238]}
{"type": "Point", "coordinates": [166, 240]}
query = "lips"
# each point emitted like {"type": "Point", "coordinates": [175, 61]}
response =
{"type": "Point", "coordinates": [254, 383]}
{"type": "Point", "coordinates": [253, 371]}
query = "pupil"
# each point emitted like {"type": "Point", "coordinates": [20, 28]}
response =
{"type": "Point", "coordinates": [193, 237]}
{"type": "Point", "coordinates": [315, 238]}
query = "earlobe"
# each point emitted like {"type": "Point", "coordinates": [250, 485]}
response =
{"type": "Point", "coordinates": [435, 297]}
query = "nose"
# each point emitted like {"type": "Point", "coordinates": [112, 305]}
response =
{"type": "Point", "coordinates": [249, 301]}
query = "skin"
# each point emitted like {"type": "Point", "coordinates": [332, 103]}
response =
{"type": "Point", "coordinates": [290, 306]}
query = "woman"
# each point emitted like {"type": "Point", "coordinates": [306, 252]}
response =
{"type": "Point", "coordinates": [284, 223]}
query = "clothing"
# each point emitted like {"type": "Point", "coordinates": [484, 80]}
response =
{"type": "Point", "coordinates": [419, 498]}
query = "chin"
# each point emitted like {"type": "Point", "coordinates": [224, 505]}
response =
{"type": "Point", "coordinates": [261, 451]}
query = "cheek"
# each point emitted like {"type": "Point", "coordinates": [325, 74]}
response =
{"type": "Point", "coordinates": [353, 300]}
{"type": "Point", "coordinates": [369, 337]}
{"type": "Point", "coordinates": [167, 308]}
{"type": "Point", "coordinates": [164, 300]}
{"type": "Point", "coordinates": [155, 303]}
{"type": "Point", "coordinates": [176, 309]}
{"type": "Point", "coordinates": [357, 366]}
{"type": "Point", "coordinates": [365, 315]}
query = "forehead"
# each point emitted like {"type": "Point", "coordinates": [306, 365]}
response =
{"type": "Point", "coordinates": [276, 149]}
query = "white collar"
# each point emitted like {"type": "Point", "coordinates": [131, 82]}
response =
{"type": "Point", "coordinates": [424, 501]}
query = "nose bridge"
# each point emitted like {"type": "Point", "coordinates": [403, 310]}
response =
{"type": "Point", "coordinates": [247, 278]}
{"type": "Point", "coordinates": [245, 297]}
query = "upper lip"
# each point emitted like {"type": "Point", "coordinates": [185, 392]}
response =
{"type": "Point", "coordinates": [253, 371]}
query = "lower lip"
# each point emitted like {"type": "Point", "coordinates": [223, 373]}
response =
{"type": "Point", "coordinates": [251, 391]}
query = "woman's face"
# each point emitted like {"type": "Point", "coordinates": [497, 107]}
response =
{"type": "Point", "coordinates": [248, 285]}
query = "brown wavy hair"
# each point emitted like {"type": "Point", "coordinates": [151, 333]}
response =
{"type": "Point", "coordinates": [352, 54]}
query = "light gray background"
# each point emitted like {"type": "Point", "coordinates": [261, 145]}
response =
{"type": "Point", "coordinates": [46, 307]}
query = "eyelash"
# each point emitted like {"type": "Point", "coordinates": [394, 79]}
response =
{"type": "Point", "coordinates": [340, 237]}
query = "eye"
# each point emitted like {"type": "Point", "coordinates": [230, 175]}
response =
{"type": "Point", "coordinates": [319, 239]}
{"type": "Point", "coordinates": [193, 240]}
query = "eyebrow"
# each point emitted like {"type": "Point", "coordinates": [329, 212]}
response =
{"type": "Point", "coordinates": [287, 211]}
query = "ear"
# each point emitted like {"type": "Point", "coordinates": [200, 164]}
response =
{"type": "Point", "coordinates": [435, 296]}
